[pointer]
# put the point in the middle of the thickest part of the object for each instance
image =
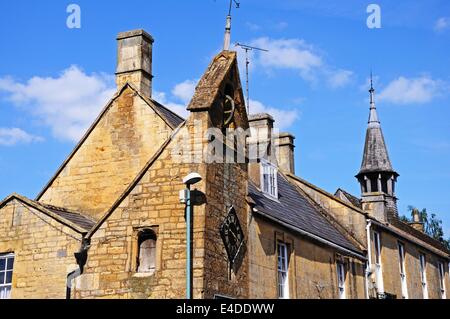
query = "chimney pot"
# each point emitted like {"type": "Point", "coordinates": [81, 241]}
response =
{"type": "Point", "coordinates": [134, 60]}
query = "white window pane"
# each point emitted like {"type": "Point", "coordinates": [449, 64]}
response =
{"type": "Point", "coordinates": [147, 255]}
{"type": "Point", "coordinates": [10, 263]}
{"type": "Point", "coordinates": [8, 277]}
{"type": "Point", "coordinates": [2, 277]}
{"type": "Point", "coordinates": [5, 292]}
{"type": "Point", "coordinates": [2, 264]}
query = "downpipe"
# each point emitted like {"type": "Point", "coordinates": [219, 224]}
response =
{"type": "Point", "coordinates": [369, 257]}
{"type": "Point", "coordinates": [81, 258]}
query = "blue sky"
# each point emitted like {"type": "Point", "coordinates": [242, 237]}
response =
{"type": "Point", "coordinates": [54, 80]}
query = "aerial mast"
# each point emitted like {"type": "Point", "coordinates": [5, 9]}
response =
{"type": "Point", "coordinates": [248, 48]}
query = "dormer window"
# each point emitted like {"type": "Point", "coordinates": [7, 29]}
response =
{"type": "Point", "coordinates": [269, 180]}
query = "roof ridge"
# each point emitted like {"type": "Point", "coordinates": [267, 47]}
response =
{"type": "Point", "coordinates": [324, 192]}
{"type": "Point", "coordinates": [91, 129]}
{"type": "Point", "coordinates": [65, 210]}
{"type": "Point", "coordinates": [418, 234]}
{"type": "Point", "coordinates": [333, 221]}
{"type": "Point", "coordinates": [38, 206]}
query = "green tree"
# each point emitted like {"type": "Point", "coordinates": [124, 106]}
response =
{"type": "Point", "coordinates": [432, 225]}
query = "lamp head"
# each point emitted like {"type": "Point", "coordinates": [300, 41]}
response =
{"type": "Point", "coordinates": [191, 179]}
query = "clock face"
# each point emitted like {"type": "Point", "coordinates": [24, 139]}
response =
{"type": "Point", "coordinates": [228, 110]}
{"type": "Point", "coordinates": [232, 234]}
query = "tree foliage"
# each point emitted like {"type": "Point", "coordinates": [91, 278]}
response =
{"type": "Point", "coordinates": [431, 223]}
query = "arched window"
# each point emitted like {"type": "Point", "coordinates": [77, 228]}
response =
{"type": "Point", "coordinates": [146, 258]}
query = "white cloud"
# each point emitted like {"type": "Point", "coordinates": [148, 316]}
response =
{"type": "Point", "coordinates": [13, 136]}
{"type": "Point", "coordinates": [412, 91]}
{"type": "Point", "coordinates": [280, 26]}
{"type": "Point", "coordinates": [296, 54]}
{"type": "Point", "coordinates": [67, 104]}
{"type": "Point", "coordinates": [253, 26]}
{"type": "Point", "coordinates": [283, 118]}
{"type": "Point", "coordinates": [287, 54]}
{"type": "Point", "coordinates": [442, 24]}
{"type": "Point", "coordinates": [339, 78]}
{"type": "Point", "coordinates": [185, 90]}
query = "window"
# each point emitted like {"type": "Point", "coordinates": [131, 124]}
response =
{"type": "Point", "coordinates": [378, 268]}
{"type": "Point", "coordinates": [423, 272]}
{"type": "Point", "coordinates": [269, 182]}
{"type": "Point", "coordinates": [6, 273]}
{"type": "Point", "coordinates": [442, 280]}
{"type": "Point", "coordinates": [146, 258]}
{"type": "Point", "coordinates": [283, 267]}
{"type": "Point", "coordinates": [401, 258]}
{"type": "Point", "coordinates": [341, 274]}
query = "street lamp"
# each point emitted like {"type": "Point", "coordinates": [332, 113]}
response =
{"type": "Point", "coordinates": [185, 197]}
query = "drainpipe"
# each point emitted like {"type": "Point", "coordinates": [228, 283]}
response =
{"type": "Point", "coordinates": [369, 256]}
{"type": "Point", "coordinates": [81, 258]}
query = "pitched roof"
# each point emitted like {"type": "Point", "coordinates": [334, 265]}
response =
{"type": "Point", "coordinates": [342, 194]}
{"type": "Point", "coordinates": [397, 223]}
{"type": "Point", "coordinates": [375, 157]}
{"type": "Point", "coordinates": [294, 209]}
{"type": "Point", "coordinates": [415, 236]}
{"type": "Point", "coordinates": [209, 85]}
{"type": "Point", "coordinates": [172, 119]}
{"type": "Point", "coordinates": [76, 218]}
{"type": "Point", "coordinates": [78, 222]}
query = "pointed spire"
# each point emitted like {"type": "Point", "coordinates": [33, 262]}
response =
{"type": "Point", "coordinates": [375, 158]}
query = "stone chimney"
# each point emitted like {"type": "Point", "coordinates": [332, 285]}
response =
{"type": "Point", "coordinates": [134, 60]}
{"type": "Point", "coordinates": [261, 130]}
{"type": "Point", "coordinates": [259, 144]}
{"type": "Point", "coordinates": [284, 144]}
{"type": "Point", "coordinates": [417, 220]}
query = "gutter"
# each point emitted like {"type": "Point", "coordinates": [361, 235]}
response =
{"type": "Point", "coordinates": [315, 237]}
{"type": "Point", "coordinates": [81, 258]}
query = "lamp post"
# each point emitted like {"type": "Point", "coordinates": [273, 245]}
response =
{"type": "Point", "coordinates": [185, 196]}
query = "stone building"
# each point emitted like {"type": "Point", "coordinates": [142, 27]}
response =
{"type": "Point", "coordinates": [110, 223]}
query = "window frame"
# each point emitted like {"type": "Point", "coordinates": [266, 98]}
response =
{"type": "Point", "coordinates": [341, 274]}
{"type": "Point", "coordinates": [133, 266]}
{"type": "Point", "coordinates": [423, 274]}
{"type": "Point", "coordinates": [441, 271]}
{"type": "Point", "coordinates": [270, 170]}
{"type": "Point", "coordinates": [283, 290]}
{"type": "Point", "coordinates": [402, 266]}
{"type": "Point", "coordinates": [5, 270]}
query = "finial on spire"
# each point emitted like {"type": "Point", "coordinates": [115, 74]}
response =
{"type": "Point", "coordinates": [373, 117]}
{"type": "Point", "coordinates": [371, 81]}
{"type": "Point", "coordinates": [227, 39]}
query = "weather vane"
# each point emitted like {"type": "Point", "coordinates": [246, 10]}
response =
{"type": "Point", "coordinates": [227, 40]}
{"type": "Point", "coordinates": [248, 48]}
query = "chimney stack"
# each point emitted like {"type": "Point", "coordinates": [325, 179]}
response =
{"type": "Point", "coordinates": [261, 127]}
{"type": "Point", "coordinates": [134, 60]}
{"type": "Point", "coordinates": [284, 144]}
{"type": "Point", "coordinates": [417, 220]}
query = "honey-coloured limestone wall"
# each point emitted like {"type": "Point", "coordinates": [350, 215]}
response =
{"type": "Point", "coordinates": [43, 248]}
{"type": "Point", "coordinates": [119, 146]}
